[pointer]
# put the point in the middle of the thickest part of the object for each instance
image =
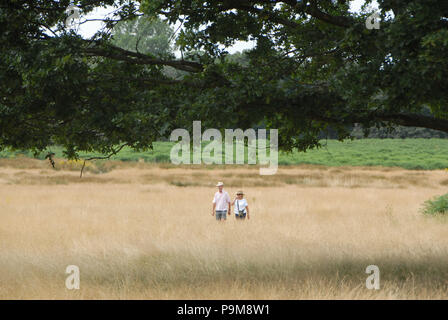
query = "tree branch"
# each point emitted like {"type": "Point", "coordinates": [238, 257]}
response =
{"type": "Point", "coordinates": [117, 53]}
{"type": "Point", "coordinates": [402, 119]}
{"type": "Point", "coordinates": [104, 157]}
{"type": "Point", "coordinates": [416, 120]}
{"type": "Point", "coordinates": [314, 11]}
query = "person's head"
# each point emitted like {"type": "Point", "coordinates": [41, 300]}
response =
{"type": "Point", "coordinates": [220, 186]}
{"type": "Point", "coordinates": [240, 194]}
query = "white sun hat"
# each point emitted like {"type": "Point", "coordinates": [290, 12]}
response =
{"type": "Point", "coordinates": [220, 184]}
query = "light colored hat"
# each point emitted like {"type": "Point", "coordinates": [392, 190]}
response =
{"type": "Point", "coordinates": [239, 192]}
{"type": "Point", "coordinates": [220, 184]}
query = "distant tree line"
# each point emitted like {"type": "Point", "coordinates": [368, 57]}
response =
{"type": "Point", "coordinates": [394, 132]}
{"type": "Point", "coordinates": [390, 132]}
{"type": "Point", "coordinates": [398, 132]}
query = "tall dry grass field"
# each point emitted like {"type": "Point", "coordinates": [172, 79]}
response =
{"type": "Point", "coordinates": [146, 232]}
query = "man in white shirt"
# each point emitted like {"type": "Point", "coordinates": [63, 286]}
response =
{"type": "Point", "coordinates": [221, 203]}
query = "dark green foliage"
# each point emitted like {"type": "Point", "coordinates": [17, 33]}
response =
{"type": "Point", "coordinates": [315, 66]}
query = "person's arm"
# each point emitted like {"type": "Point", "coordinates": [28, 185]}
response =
{"type": "Point", "coordinates": [228, 199]}
{"type": "Point", "coordinates": [247, 210]}
{"type": "Point", "coordinates": [214, 205]}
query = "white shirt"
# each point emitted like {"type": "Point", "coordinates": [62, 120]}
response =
{"type": "Point", "coordinates": [222, 200]}
{"type": "Point", "coordinates": [242, 204]}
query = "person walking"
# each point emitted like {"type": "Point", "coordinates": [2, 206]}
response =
{"type": "Point", "coordinates": [221, 203]}
{"type": "Point", "coordinates": [241, 207]}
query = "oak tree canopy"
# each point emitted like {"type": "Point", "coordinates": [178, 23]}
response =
{"type": "Point", "coordinates": [314, 65]}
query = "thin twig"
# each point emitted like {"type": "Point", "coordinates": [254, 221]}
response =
{"type": "Point", "coordinates": [102, 158]}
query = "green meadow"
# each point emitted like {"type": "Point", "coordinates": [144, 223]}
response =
{"type": "Point", "coordinates": [424, 154]}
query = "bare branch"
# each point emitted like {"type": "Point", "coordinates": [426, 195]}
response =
{"type": "Point", "coordinates": [101, 158]}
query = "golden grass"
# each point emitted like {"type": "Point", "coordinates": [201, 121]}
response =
{"type": "Point", "coordinates": [144, 231]}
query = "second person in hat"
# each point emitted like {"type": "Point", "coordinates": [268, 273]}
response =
{"type": "Point", "coordinates": [241, 209]}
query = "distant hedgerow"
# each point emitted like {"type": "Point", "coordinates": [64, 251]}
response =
{"type": "Point", "coordinates": [437, 205]}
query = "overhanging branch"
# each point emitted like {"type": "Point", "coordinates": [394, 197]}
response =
{"type": "Point", "coordinates": [416, 120]}
{"type": "Point", "coordinates": [117, 53]}
{"type": "Point", "coordinates": [102, 158]}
